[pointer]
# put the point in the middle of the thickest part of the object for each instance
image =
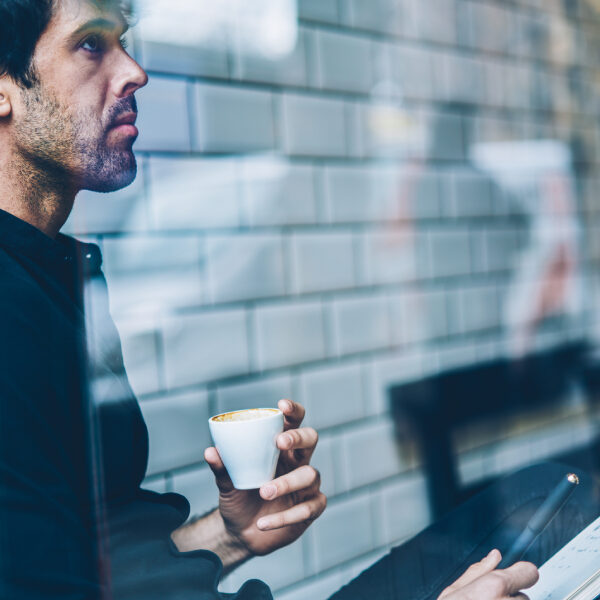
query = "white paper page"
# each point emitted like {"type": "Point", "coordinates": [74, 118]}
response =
{"type": "Point", "coordinates": [571, 566]}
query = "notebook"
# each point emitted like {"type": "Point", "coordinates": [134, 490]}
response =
{"type": "Point", "coordinates": [573, 573]}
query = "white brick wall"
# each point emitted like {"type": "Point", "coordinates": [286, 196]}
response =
{"type": "Point", "coordinates": [322, 262]}
{"type": "Point", "coordinates": [288, 334]}
{"type": "Point", "coordinates": [342, 62]}
{"type": "Point", "coordinates": [178, 426]}
{"type": "Point", "coordinates": [191, 193]}
{"type": "Point", "coordinates": [361, 323]}
{"type": "Point", "coordinates": [188, 362]}
{"type": "Point", "coordinates": [163, 101]}
{"type": "Point", "coordinates": [230, 119]}
{"type": "Point", "coordinates": [244, 266]}
{"type": "Point", "coordinates": [333, 394]}
{"type": "Point", "coordinates": [276, 192]}
{"type": "Point", "coordinates": [313, 126]}
{"type": "Point", "coordinates": [306, 223]}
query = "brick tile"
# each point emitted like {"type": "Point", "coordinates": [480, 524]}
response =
{"type": "Point", "coordinates": [150, 273]}
{"type": "Point", "coordinates": [313, 125]}
{"type": "Point", "coordinates": [286, 69]}
{"type": "Point", "coordinates": [343, 62]}
{"type": "Point", "coordinates": [470, 194]}
{"type": "Point", "coordinates": [264, 392]}
{"type": "Point", "coordinates": [361, 324]}
{"type": "Point", "coordinates": [390, 257]}
{"type": "Point", "coordinates": [446, 138]}
{"type": "Point", "coordinates": [480, 309]}
{"type": "Point", "coordinates": [412, 70]}
{"type": "Point", "coordinates": [178, 430]}
{"type": "Point", "coordinates": [276, 192]}
{"type": "Point", "coordinates": [462, 78]}
{"type": "Point", "coordinates": [421, 189]}
{"type": "Point", "coordinates": [364, 449]}
{"type": "Point", "coordinates": [333, 395]}
{"type": "Point", "coordinates": [332, 541]}
{"type": "Point", "coordinates": [325, 461]}
{"type": "Point", "coordinates": [244, 266]}
{"type": "Point", "coordinates": [322, 261]}
{"type": "Point", "coordinates": [163, 115]}
{"type": "Point", "coordinates": [491, 27]}
{"type": "Point", "coordinates": [405, 508]}
{"type": "Point", "coordinates": [436, 20]}
{"type": "Point", "coordinates": [418, 316]}
{"type": "Point", "coordinates": [450, 252]}
{"type": "Point", "coordinates": [288, 334]}
{"type": "Point", "coordinates": [387, 370]}
{"type": "Point", "coordinates": [205, 346]}
{"type": "Point", "coordinates": [192, 193]}
{"type": "Point", "coordinates": [395, 17]}
{"type": "Point", "coordinates": [501, 248]}
{"type": "Point", "coordinates": [200, 59]}
{"type": "Point", "coordinates": [356, 194]}
{"type": "Point", "coordinates": [325, 11]}
{"type": "Point", "coordinates": [232, 119]}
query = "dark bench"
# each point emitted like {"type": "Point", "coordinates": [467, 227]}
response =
{"type": "Point", "coordinates": [436, 408]}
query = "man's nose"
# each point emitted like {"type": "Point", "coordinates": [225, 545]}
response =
{"type": "Point", "coordinates": [131, 77]}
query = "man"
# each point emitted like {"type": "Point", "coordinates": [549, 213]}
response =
{"type": "Point", "coordinates": [74, 522]}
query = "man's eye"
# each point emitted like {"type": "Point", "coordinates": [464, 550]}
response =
{"type": "Point", "coordinates": [93, 43]}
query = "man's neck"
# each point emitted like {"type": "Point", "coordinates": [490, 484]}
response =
{"type": "Point", "coordinates": [38, 197]}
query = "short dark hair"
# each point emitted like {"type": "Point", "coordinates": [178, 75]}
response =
{"type": "Point", "coordinates": [22, 22]}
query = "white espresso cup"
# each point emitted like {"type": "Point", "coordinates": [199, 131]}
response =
{"type": "Point", "coordinates": [246, 441]}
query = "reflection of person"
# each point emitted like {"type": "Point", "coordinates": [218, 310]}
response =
{"type": "Point", "coordinates": [74, 522]}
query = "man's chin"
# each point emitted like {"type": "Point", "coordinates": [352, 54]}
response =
{"type": "Point", "coordinates": [112, 177]}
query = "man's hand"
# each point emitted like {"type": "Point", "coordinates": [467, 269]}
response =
{"type": "Point", "coordinates": [481, 582]}
{"type": "Point", "coordinates": [256, 522]}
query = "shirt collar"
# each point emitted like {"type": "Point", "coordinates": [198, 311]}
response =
{"type": "Point", "coordinates": [59, 256]}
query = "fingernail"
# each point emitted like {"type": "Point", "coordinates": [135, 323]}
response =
{"type": "Point", "coordinates": [287, 405]}
{"type": "Point", "coordinates": [263, 523]}
{"type": "Point", "coordinates": [269, 491]}
{"type": "Point", "coordinates": [288, 439]}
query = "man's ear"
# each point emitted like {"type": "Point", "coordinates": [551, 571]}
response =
{"type": "Point", "coordinates": [5, 104]}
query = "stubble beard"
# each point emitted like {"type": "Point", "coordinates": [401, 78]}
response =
{"type": "Point", "coordinates": [71, 149]}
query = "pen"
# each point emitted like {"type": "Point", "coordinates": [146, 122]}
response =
{"type": "Point", "coordinates": [541, 519]}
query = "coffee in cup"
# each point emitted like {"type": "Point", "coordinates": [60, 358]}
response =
{"type": "Point", "coordinates": [246, 441]}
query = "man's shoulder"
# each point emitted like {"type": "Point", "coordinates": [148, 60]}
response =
{"type": "Point", "coordinates": [19, 291]}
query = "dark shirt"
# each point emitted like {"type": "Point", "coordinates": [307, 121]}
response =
{"type": "Point", "coordinates": [74, 522]}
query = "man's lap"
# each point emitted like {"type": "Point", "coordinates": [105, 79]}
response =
{"type": "Point", "coordinates": [420, 568]}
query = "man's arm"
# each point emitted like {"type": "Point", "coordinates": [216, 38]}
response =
{"type": "Point", "coordinates": [47, 540]}
{"type": "Point", "coordinates": [209, 533]}
{"type": "Point", "coordinates": [250, 522]}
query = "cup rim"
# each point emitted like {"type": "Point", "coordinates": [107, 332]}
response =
{"type": "Point", "coordinates": [276, 413]}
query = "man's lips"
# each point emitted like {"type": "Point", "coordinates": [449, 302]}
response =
{"type": "Point", "coordinates": [126, 124]}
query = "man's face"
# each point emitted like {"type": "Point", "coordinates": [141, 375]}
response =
{"type": "Point", "coordinates": [76, 122]}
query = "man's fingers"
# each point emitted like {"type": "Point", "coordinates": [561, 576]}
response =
{"type": "Point", "coordinates": [306, 513]}
{"type": "Point", "coordinates": [298, 479]}
{"type": "Point", "coordinates": [519, 576]}
{"type": "Point", "coordinates": [305, 438]}
{"type": "Point", "coordinates": [222, 479]}
{"type": "Point", "coordinates": [293, 413]}
{"type": "Point", "coordinates": [476, 570]}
